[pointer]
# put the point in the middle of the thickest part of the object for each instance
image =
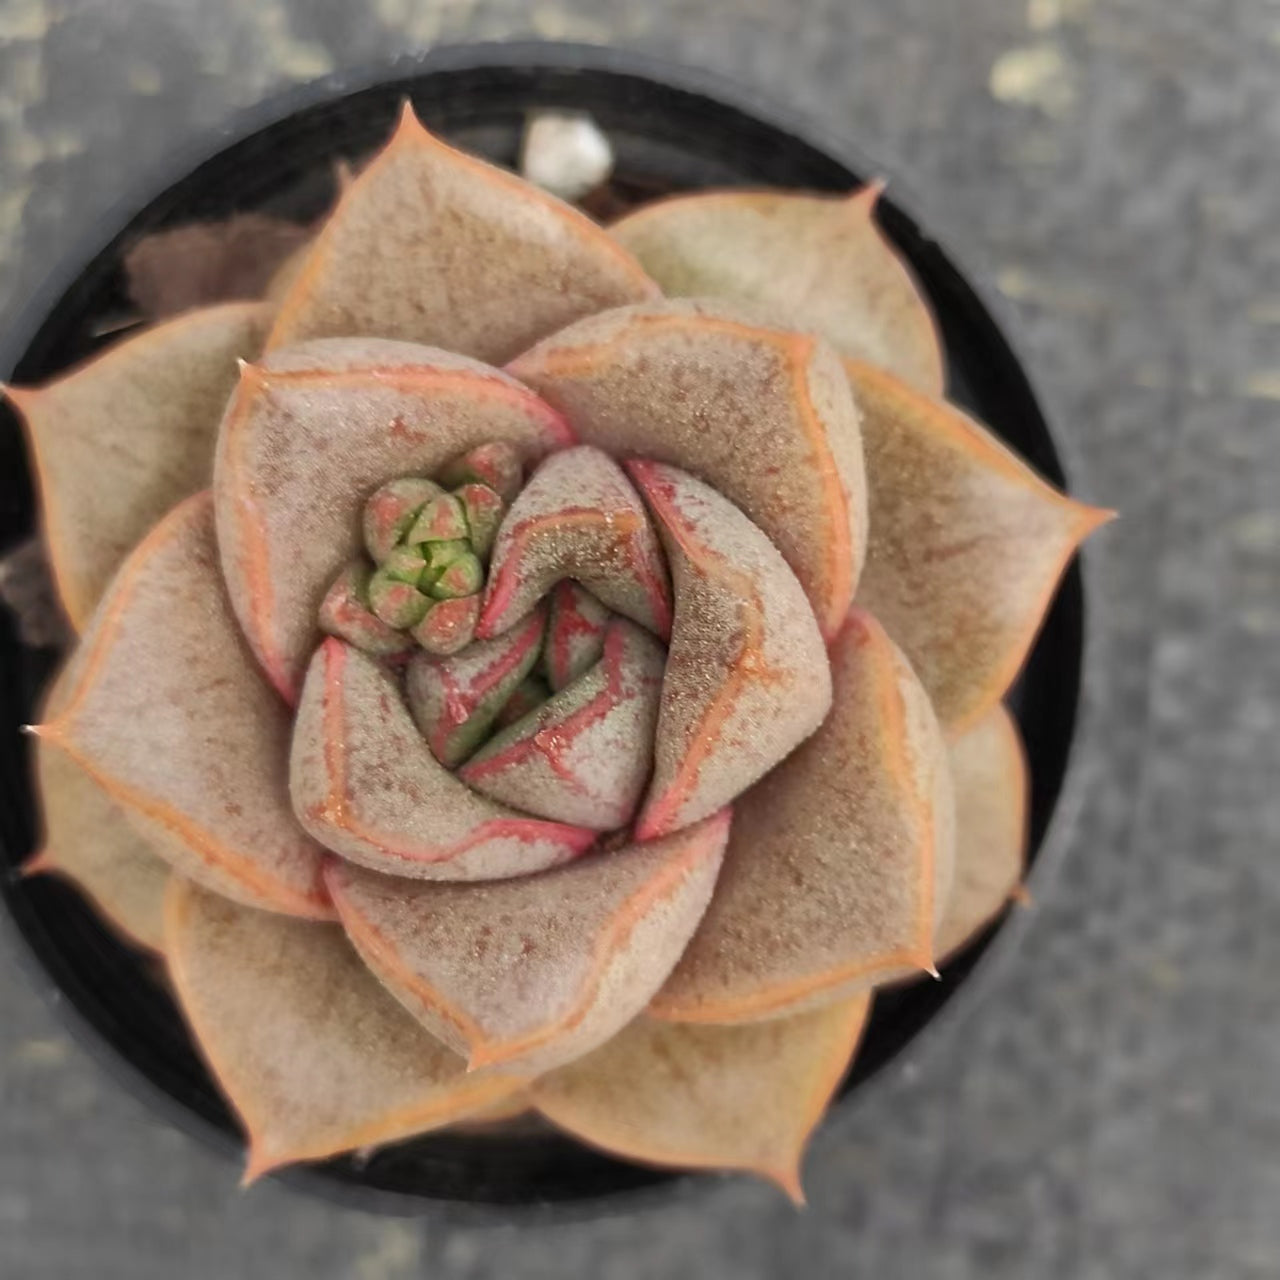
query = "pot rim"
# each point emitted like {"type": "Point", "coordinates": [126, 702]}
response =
{"type": "Point", "coordinates": [1083, 759]}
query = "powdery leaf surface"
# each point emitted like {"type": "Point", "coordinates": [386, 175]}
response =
{"type": "Point", "coordinates": [745, 1098]}
{"type": "Point", "coordinates": [88, 840]}
{"type": "Point", "coordinates": [747, 677]}
{"type": "Point", "coordinates": [309, 435]}
{"type": "Point", "coordinates": [170, 716]}
{"type": "Point", "coordinates": [315, 1057]}
{"type": "Point", "coordinates": [967, 544]}
{"type": "Point", "coordinates": [578, 517]}
{"type": "Point", "coordinates": [820, 262]}
{"type": "Point", "coordinates": [431, 245]}
{"type": "Point", "coordinates": [123, 437]}
{"type": "Point", "coordinates": [534, 972]}
{"type": "Point", "coordinates": [585, 755]}
{"type": "Point", "coordinates": [762, 416]}
{"type": "Point", "coordinates": [989, 769]}
{"type": "Point", "coordinates": [365, 784]}
{"type": "Point", "coordinates": [840, 860]}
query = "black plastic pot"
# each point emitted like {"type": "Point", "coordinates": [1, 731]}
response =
{"type": "Point", "coordinates": [671, 130]}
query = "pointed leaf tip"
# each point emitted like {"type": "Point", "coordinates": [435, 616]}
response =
{"type": "Point", "coordinates": [313, 1055]}
{"type": "Point", "coordinates": [840, 858]}
{"type": "Point", "coordinates": [164, 638]}
{"type": "Point", "coordinates": [431, 245]}
{"type": "Point", "coordinates": [728, 1098]}
{"type": "Point", "coordinates": [121, 438]}
{"type": "Point", "coordinates": [968, 544]}
{"type": "Point", "coordinates": [819, 263]}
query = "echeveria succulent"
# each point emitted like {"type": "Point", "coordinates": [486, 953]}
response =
{"type": "Point", "coordinates": [559, 668]}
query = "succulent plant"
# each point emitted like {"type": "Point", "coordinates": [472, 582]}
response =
{"type": "Point", "coordinates": [558, 667]}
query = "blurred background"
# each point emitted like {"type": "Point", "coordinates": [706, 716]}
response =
{"type": "Point", "coordinates": [1113, 1109]}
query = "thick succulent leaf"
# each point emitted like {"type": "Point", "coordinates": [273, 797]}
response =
{"type": "Point", "coordinates": [575, 634]}
{"type": "Point", "coordinates": [455, 700]}
{"type": "Point", "coordinates": [747, 677]}
{"type": "Point", "coordinates": [88, 840]}
{"type": "Point", "coordinates": [967, 544]}
{"type": "Point", "coordinates": [309, 435]}
{"type": "Point", "coordinates": [122, 438]}
{"type": "Point", "coordinates": [989, 771]}
{"type": "Point", "coordinates": [841, 858]}
{"type": "Point", "coordinates": [315, 1057]}
{"type": "Point", "coordinates": [170, 716]}
{"type": "Point", "coordinates": [580, 518]}
{"type": "Point", "coordinates": [764, 417]}
{"type": "Point", "coordinates": [819, 262]}
{"type": "Point", "coordinates": [585, 755]}
{"type": "Point", "coordinates": [534, 972]}
{"type": "Point", "coordinates": [431, 245]}
{"type": "Point", "coordinates": [366, 785]}
{"type": "Point", "coordinates": [729, 1098]}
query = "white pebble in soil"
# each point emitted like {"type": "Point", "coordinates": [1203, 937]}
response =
{"type": "Point", "coordinates": [565, 153]}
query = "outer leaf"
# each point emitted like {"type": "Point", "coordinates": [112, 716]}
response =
{"type": "Point", "coordinates": [121, 439]}
{"type": "Point", "coordinates": [841, 858]}
{"type": "Point", "coordinates": [366, 785]}
{"type": "Point", "coordinates": [989, 769]}
{"type": "Point", "coordinates": [822, 263]}
{"type": "Point", "coordinates": [578, 517]}
{"type": "Point", "coordinates": [88, 840]}
{"type": "Point", "coordinates": [309, 435]}
{"type": "Point", "coordinates": [747, 678]}
{"type": "Point", "coordinates": [967, 545]}
{"type": "Point", "coordinates": [532, 973]}
{"type": "Point", "coordinates": [168, 714]}
{"type": "Point", "coordinates": [311, 1052]}
{"type": "Point", "coordinates": [431, 245]}
{"type": "Point", "coordinates": [585, 755]}
{"type": "Point", "coordinates": [745, 1098]}
{"type": "Point", "coordinates": [762, 416]}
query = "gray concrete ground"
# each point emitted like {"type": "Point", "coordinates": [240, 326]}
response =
{"type": "Point", "coordinates": [1114, 1111]}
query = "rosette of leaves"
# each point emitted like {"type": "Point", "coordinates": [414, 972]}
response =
{"type": "Point", "coordinates": [529, 664]}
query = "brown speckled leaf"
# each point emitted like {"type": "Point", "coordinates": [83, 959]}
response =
{"type": "Point", "coordinates": [534, 972]}
{"type": "Point", "coordinates": [989, 771]}
{"type": "Point", "coordinates": [169, 715]}
{"type": "Point", "coordinates": [314, 1056]}
{"type": "Point", "coordinates": [840, 860]}
{"type": "Point", "coordinates": [122, 438]}
{"type": "Point", "coordinates": [967, 544]}
{"type": "Point", "coordinates": [309, 435]}
{"type": "Point", "coordinates": [747, 676]}
{"type": "Point", "coordinates": [726, 1098]}
{"type": "Point", "coordinates": [578, 517]}
{"type": "Point", "coordinates": [366, 785]}
{"type": "Point", "coordinates": [585, 755]}
{"type": "Point", "coordinates": [88, 840]}
{"type": "Point", "coordinates": [820, 262]}
{"type": "Point", "coordinates": [431, 245]}
{"type": "Point", "coordinates": [762, 416]}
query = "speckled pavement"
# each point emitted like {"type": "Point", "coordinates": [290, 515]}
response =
{"type": "Point", "coordinates": [1112, 1112]}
